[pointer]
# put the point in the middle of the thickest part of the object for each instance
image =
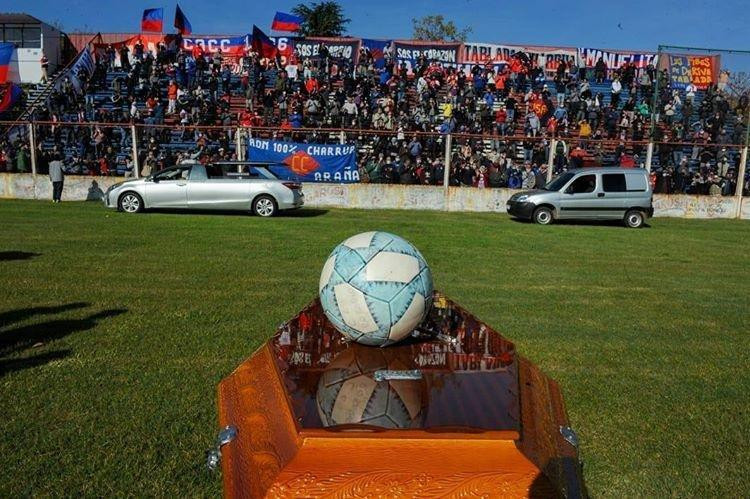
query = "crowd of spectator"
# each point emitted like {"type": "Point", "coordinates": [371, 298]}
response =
{"type": "Point", "coordinates": [504, 119]}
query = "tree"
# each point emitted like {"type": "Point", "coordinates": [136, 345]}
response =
{"type": "Point", "coordinates": [321, 18]}
{"type": "Point", "coordinates": [739, 84]}
{"type": "Point", "coordinates": [436, 28]}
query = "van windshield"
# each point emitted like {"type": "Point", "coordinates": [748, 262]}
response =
{"type": "Point", "coordinates": [557, 183]}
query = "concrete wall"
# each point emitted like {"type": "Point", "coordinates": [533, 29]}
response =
{"type": "Point", "coordinates": [76, 188]}
{"type": "Point", "coordinates": [370, 196]}
{"type": "Point", "coordinates": [378, 196]}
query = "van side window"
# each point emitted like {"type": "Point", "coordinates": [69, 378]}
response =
{"type": "Point", "coordinates": [614, 182]}
{"type": "Point", "coordinates": [637, 183]}
{"type": "Point", "coordinates": [583, 184]}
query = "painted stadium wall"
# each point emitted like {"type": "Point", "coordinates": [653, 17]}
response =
{"type": "Point", "coordinates": [76, 188]}
{"type": "Point", "coordinates": [378, 196]}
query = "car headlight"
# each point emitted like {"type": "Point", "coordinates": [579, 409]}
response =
{"type": "Point", "coordinates": [523, 198]}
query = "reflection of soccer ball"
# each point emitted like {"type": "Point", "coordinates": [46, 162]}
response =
{"type": "Point", "coordinates": [375, 288]}
{"type": "Point", "coordinates": [348, 393]}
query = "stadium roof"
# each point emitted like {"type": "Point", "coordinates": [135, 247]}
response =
{"type": "Point", "coordinates": [18, 17]}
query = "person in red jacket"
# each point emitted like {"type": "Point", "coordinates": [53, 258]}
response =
{"type": "Point", "coordinates": [500, 81]}
{"type": "Point", "coordinates": [246, 118]}
{"type": "Point", "coordinates": [103, 166]}
{"type": "Point", "coordinates": [627, 161]}
{"type": "Point", "coordinates": [311, 85]}
{"type": "Point", "coordinates": [515, 65]}
{"type": "Point", "coordinates": [501, 121]}
{"type": "Point", "coordinates": [197, 51]}
{"type": "Point", "coordinates": [172, 97]}
{"type": "Point", "coordinates": [552, 126]}
{"type": "Point", "coordinates": [576, 157]}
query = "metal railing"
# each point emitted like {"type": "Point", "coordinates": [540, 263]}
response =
{"type": "Point", "coordinates": [126, 146]}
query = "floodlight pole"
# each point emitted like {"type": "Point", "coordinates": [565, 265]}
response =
{"type": "Point", "coordinates": [134, 144]}
{"type": "Point", "coordinates": [551, 158]}
{"type": "Point", "coordinates": [447, 169]}
{"type": "Point", "coordinates": [743, 165]}
{"type": "Point", "coordinates": [741, 181]}
{"type": "Point", "coordinates": [32, 146]}
{"type": "Point", "coordinates": [654, 105]}
{"type": "Point", "coordinates": [649, 154]}
{"type": "Point", "coordinates": [238, 139]}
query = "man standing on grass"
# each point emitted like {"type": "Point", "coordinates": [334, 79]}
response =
{"type": "Point", "coordinates": [56, 176]}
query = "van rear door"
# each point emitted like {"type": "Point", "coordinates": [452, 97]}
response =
{"type": "Point", "coordinates": [639, 190]}
{"type": "Point", "coordinates": [613, 196]}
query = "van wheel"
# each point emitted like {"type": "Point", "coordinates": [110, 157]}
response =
{"type": "Point", "coordinates": [633, 219]}
{"type": "Point", "coordinates": [264, 206]}
{"type": "Point", "coordinates": [543, 215]}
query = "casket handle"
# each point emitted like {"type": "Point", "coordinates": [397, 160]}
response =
{"type": "Point", "coordinates": [226, 436]}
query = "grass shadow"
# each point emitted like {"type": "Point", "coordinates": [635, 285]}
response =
{"type": "Point", "coordinates": [21, 314]}
{"type": "Point", "coordinates": [304, 213]}
{"type": "Point", "coordinates": [18, 339]}
{"type": "Point", "coordinates": [300, 213]}
{"type": "Point", "coordinates": [8, 366]}
{"type": "Point", "coordinates": [6, 256]}
{"type": "Point", "coordinates": [22, 337]}
{"type": "Point", "coordinates": [591, 223]}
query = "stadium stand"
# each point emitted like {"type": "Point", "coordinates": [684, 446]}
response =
{"type": "Point", "coordinates": [187, 104]}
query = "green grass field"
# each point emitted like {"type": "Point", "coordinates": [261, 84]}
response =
{"type": "Point", "coordinates": [116, 329]}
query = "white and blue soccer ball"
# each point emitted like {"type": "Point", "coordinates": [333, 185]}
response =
{"type": "Point", "coordinates": [375, 288]}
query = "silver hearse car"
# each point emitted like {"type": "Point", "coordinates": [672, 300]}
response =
{"type": "Point", "coordinates": [231, 185]}
{"type": "Point", "coordinates": [610, 193]}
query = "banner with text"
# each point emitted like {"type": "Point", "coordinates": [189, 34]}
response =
{"type": "Point", "coordinates": [234, 46]}
{"type": "Point", "coordinates": [546, 57]}
{"type": "Point", "coordinates": [338, 48]}
{"type": "Point", "coordinates": [588, 57]}
{"type": "Point", "coordinates": [306, 162]}
{"type": "Point", "coordinates": [679, 71]}
{"type": "Point", "coordinates": [410, 52]}
{"type": "Point", "coordinates": [702, 71]}
{"type": "Point", "coordinates": [285, 46]}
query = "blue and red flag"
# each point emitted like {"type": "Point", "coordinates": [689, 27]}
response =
{"type": "Point", "coordinates": [286, 22]}
{"type": "Point", "coordinates": [153, 20]}
{"type": "Point", "coordinates": [6, 52]}
{"type": "Point", "coordinates": [181, 22]}
{"type": "Point", "coordinates": [377, 49]}
{"type": "Point", "coordinates": [9, 95]}
{"type": "Point", "coordinates": [262, 44]}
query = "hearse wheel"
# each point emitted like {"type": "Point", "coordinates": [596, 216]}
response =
{"type": "Point", "coordinates": [264, 206]}
{"type": "Point", "coordinates": [130, 202]}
